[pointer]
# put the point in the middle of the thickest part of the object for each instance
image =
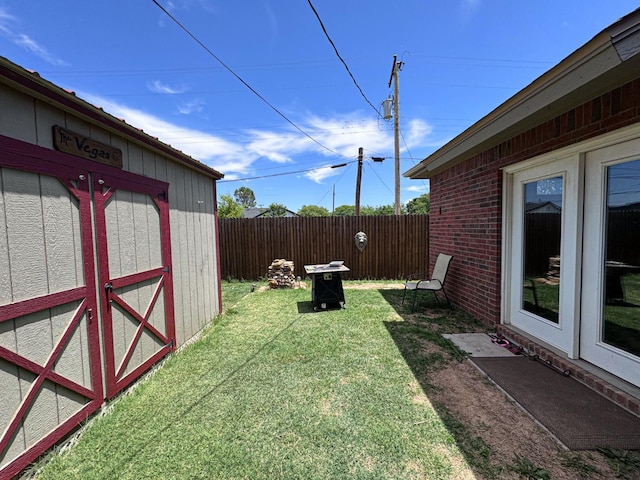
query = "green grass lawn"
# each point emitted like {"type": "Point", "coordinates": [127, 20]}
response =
{"type": "Point", "coordinates": [548, 298]}
{"type": "Point", "coordinates": [275, 390]}
{"type": "Point", "coordinates": [622, 319]}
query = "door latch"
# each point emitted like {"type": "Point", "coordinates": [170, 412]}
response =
{"type": "Point", "coordinates": [108, 288]}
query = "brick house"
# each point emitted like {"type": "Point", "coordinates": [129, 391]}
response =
{"type": "Point", "coordinates": [572, 139]}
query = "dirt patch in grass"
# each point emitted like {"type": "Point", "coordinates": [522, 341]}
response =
{"type": "Point", "coordinates": [376, 286]}
{"type": "Point", "coordinates": [347, 286]}
{"type": "Point", "coordinates": [488, 413]}
{"type": "Point", "coordinates": [498, 438]}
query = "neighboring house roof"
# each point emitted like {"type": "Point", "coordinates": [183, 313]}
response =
{"type": "Point", "coordinates": [608, 60]}
{"type": "Point", "coordinates": [257, 212]}
{"type": "Point", "coordinates": [544, 207]}
{"type": "Point", "coordinates": [34, 85]}
{"type": "Point", "coordinates": [252, 212]}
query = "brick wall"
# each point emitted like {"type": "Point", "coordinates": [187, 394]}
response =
{"type": "Point", "coordinates": [466, 200]}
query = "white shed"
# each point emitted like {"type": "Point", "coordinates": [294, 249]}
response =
{"type": "Point", "coordinates": [108, 259]}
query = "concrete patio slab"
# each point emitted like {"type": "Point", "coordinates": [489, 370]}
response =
{"type": "Point", "coordinates": [478, 345]}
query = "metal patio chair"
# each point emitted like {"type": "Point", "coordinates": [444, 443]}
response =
{"type": "Point", "coordinates": [435, 283]}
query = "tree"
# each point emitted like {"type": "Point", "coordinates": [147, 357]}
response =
{"type": "Point", "coordinates": [228, 208]}
{"type": "Point", "coordinates": [245, 197]}
{"type": "Point", "coordinates": [419, 206]}
{"type": "Point", "coordinates": [345, 211]}
{"type": "Point", "coordinates": [313, 211]}
{"type": "Point", "coordinates": [382, 210]}
{"type": "Point", "coordinates": [367, 211]}
{"type": "Point", "coordinates": [275, 210]}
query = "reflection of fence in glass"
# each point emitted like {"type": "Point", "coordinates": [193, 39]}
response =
{"type": "Point", "coordinates": [542, 232]}
{"type": "Point", "coordinates": [541, 282]}
{"type": "Point", "coordinates": [621, 325]}
{"type": "Point", "coordinates": [542, 240]}
{"type": "Point", "coordinates": [621, 315]}
{"type": "Point", "coordinates": [623, 232]}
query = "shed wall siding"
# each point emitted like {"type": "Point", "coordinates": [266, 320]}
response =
{"type": "Point", "coordinates": [40, 253]}
{"type": "Point", "coordinates": [466, 199]}
{"type": "Point", "coordinates": [192, 223]}
{"type": "Point", "coordinates": [193, 246]}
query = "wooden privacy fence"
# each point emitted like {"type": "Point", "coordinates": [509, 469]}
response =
{"type": "Point", "coordinates": [623, 231]}
{"type": "Point", "coordinates": [397, 245]}
{"type": "Point", "coordinates": [543, 234]}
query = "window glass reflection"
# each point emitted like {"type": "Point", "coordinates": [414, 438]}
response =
{"type": "Point", "coordinates": [621, 314]}
{"type": "Point", "coordinates": [542, 238]}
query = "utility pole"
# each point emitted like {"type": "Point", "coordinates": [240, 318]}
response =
{"type": "Point", "coordinates": [397, 66]}
{"type": "Point", "coordinates": [358, 181]}
{"type": "Point", "coordinates": [333, 203]}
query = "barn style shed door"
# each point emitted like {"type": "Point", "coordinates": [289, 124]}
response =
{"type": "Point", "coordinates": [132, 224]}
{"type": "Point", "coordinates": [56, 300]}
{"type": "Point", "coordinates": [50, 373]}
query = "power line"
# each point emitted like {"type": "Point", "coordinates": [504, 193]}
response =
{"type": "Point", "coordinates": [206, 49]}
{"type": "Point", "coordinates": [340, 57]}
{"type": "Point", "coordinates": [379, 178]}
{"type": "Point", "coordinates": [410, 155]}
{"type": "Point", "coordinates": [284, 173]}
{"type": "Point", "coordinates": [281, 65]}
{"type": "Point", "coordinates": [335, 183]}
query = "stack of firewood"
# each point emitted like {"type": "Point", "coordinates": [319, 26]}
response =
{"type": "Point", "coordinates": [553, 275]}
{"type": "Point", "coordinates": [281, 274]}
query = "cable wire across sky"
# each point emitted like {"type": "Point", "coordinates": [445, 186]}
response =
{"type": "Point", "coordinates": [254, 91]}
{"type": "Point", "coordinates": [285, 173]}
{"type": "Point", "coordinates": [335, 49]}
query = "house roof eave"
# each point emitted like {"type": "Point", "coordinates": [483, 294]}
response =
{"type": "Point", "coordinates": [609, 59]}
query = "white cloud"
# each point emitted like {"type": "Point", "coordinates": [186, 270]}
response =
{"type": "Point", "coordinates": [5, 20]}
{"type": "Point", "coordinates": [343, 135]}
{"type": "Point", "coordinates": [158, 87]}
{"type": "Point", "coordinates": [278, 147]}
{"type": "Point", "coordinates": [422, 188]}
{"type": "Point", "coordinates": [272, 19]}
{"type": "Point", "coordinates": [215, 151]}
{"type": "Point", "coordinates": [193, 106]}
{"type": "Point", "coordinates": [25, 41]}
{"type": "Point", "coordinates": [28, 43]}
{"type": "Point", "coordinates": [320, 174]}
{"type": "Point", "coordinates": [417, 133]}
{"type": "Point", "coordinates": [469, 8]}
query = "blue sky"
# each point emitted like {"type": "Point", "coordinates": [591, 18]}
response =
{"type": "Point", "coordinates": [462, 58]}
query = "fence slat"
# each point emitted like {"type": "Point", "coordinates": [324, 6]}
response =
{"type": "Point", "coordinates": [397, 245]}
